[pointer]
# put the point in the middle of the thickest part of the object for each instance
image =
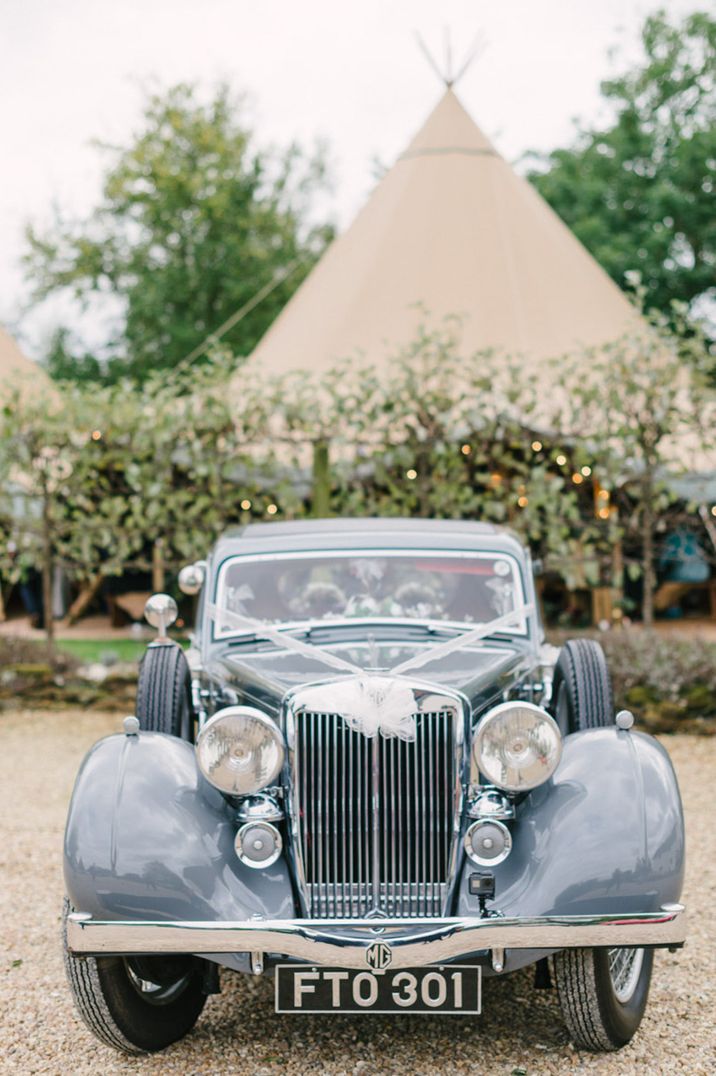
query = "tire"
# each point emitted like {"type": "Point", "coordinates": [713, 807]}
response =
{"type": "Point", "coordinates": [135, 1004]}
{"type": "Point", "coordinates": [603, 1008]}
{"type": "Point", "coordinates": [581, 689]}
{"type": "Point", "coordinates": [164, 692]}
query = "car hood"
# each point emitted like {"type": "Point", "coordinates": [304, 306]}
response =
{"type": "Point", "coordinates": [264, 675]}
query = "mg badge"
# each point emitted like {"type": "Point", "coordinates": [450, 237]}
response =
{"type": "Point", "coordinates": [378, 956]}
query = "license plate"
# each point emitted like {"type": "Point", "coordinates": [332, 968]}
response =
{"type": "Point", "coordinates": [451, 989]}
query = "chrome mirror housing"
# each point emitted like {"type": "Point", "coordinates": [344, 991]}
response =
{"type": "Point", "coordinates": [161, 612]}
{"type": "Point", "coordinates": [191, 578]}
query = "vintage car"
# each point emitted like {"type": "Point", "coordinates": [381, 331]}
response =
{"type": "Point", "coordinates": [370, 779]}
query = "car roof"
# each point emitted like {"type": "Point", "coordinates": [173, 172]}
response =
{"type": "Point", "coordinates": [347, 533]}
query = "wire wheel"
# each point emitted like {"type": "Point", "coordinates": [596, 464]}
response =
{"type": "Point", "coordinates": [624, 970]}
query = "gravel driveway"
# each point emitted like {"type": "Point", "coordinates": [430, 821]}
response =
{"type": "Point", "coordinates": [519, 1032]}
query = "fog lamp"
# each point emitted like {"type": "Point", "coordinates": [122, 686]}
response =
{"type": "Point", "coordinates": [517, 746]}
{"type": "Point", "coordinates": [488, 842]}
{"type": "Point", "coordinates": [258, 844]}
{"type": "Point", "coordinates": [240, 750]}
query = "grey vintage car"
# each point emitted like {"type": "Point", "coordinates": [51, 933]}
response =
{"type": "Point", "coordinates": [370, 779]}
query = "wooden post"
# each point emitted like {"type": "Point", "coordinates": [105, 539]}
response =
{"type": "Point", "coordinates": [83, 599]}
{"type": "Point", "coordinates": [47, 569]}
{"type": "Point", "coordinates": [321, 487]}
{"type": "Point", "coordinates": [158, 573]}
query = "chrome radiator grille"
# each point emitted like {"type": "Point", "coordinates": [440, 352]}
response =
{"type": "Point", "coordinates": [374, 817]}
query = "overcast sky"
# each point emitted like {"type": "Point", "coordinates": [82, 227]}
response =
{"type": "Point", "coordinates": [347, 72]}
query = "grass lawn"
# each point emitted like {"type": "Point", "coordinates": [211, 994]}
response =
{"type": "Point", "coordinates": [93, 650]}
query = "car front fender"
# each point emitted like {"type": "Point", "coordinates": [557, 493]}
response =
{"type": "Point", "coordinates": [605, 834]}
{"type": "Point", "coordinates": [148, 838]}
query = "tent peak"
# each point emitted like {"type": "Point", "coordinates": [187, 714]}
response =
{"type": "Point", "coordinates": [447, 75]}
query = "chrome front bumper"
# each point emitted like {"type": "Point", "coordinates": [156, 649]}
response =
{"type": "Point", "coordinates": [346, 943]}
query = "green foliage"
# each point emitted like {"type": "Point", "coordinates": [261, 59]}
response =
{"type": "Point", "coordinates": [639, 191]}
{"type": "Point", "coordinates": [97, 476]}
{"type": "Point", "coordinates": [642, 406]}
{"type": "Point", "coordinates": [667, 680]}
{"type": "Point", "coordinates": [194, 220]}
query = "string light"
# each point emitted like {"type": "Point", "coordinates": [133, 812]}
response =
{"type": "Point", "coordinates": [523, 501]}
{"type": "Point", "coordinates": [466, 450]}
{"type": "Point", "coordinates": [272, 509]}
{"type": "Point", "coordinates": [536, 446]}
{"type": "Point", "coordinates": [561, 460]}
{"type": "Point", "coordinates": [603, 513]}
{"type": "Point", "coordinates": [96, 435]}
{"type": "Point", "coordinates": [411, 474]}
{"type": "Point", "coordinates": [246, 504]}
{"type": "Point", "coordinates": [603, 495]}
{"type": "Point", "coordinates": [713, 510]}
{"type": "Point", "coordinates": [577, 478]}
{"type": "Point", "coordinates": [586, 471]}
{"type": "Point", "coordinates": [495, 478]}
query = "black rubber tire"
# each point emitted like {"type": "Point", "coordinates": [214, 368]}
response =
{"type": "Point", "coordinates": [164, 692]}
{"type": "Point", "coordinates": [114, 1010]}
{"type": "Point", "coordinates": [595, 1017]}
{"type": "Point", "coordinates": [582, 695]}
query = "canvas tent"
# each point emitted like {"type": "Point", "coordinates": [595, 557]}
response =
{"type": "Point", "coordinates": [17, 371]}
{"type": "Point", "coordinates": [450, 230]}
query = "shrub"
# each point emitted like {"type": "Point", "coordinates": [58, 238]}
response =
{"type": "Point", "coordinates": [668, 681]}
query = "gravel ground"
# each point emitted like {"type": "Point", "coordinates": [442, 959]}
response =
{"type": "Point", "coordinates": [520, 1031]}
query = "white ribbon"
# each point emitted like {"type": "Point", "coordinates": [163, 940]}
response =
{"type": "Point", "coordinates": [367, 703]}
{"type": "Point", "coordinates": [439, 650]}
{"type": "Point", "coordinates": [282, 639]}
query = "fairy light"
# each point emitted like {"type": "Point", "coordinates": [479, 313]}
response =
{"type": "Point", "coordinates": [603, 513]}
{"type": "Point", "coordinates": [96, 435]}
{"type": "Point", "coordinates": [246, 504]}
{"type": "Point", "coordinates": [561, 460]}
{"type": "Point", "coordinates": [411, 474]}
{"type": "Point", "coordinates": [272, 509]}
{"type": "Point", "coordinates": [536, 446]}
{"type": "Point", "coordinates": [577, 478]}
{"type": "Point", "coordinates": [713, 510]}
{"type": "Point", "coordinates": [586, 471]}
{"type": "Point", "coordinates": [603, 495]}
{"type": "Point", "coordinates": [466, 450]}
{"type": "Point", "coordinates": [495, 478]}
{"type": "Point", "coordinates": [523, 501]}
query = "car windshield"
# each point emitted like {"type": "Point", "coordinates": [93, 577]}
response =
{"type": "Point", "coordinates": [456, 587]}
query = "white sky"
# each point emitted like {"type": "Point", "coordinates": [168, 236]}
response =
{"type": "Point", "coordinates": [348, 72]}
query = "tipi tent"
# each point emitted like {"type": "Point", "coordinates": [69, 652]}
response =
{"type": "Point", "coordinates": [17, 371]}
{"type": "Point", "coordinates": [450, 230]}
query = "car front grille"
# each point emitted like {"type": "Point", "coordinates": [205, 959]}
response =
{"type": "Point", "coordinates": [374, 817]}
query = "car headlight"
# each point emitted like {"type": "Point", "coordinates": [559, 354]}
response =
{"type": "Point", "coordinates": [517, 746]}
{"type": "Point", "coordinates": [240, 750]}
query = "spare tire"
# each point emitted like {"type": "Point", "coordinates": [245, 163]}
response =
{"type": "Point", "coordinates": [164, 692]}
{"type": "Point", "coordinates": [582, 689]}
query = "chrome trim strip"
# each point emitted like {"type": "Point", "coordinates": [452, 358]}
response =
{"type": "Point", "coordinates": [414, 942]}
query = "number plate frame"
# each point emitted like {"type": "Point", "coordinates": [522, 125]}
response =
{"type": "Point", "coordinates": [285, 977]}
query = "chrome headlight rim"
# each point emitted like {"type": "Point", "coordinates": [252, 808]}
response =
{"type": "Point", "coordinates": [251, 713]}
{"type": "Point", "coordinates": [240, 839]}
{"type": "Point", "coordinates": [486, 726]}
{"type": "Point", "coordinates": [487, 861]}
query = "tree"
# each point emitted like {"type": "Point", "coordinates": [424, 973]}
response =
{"type": "Point", "coordinates": [642, 408]}
{"type": "Point", "coordinates": [194, 221]}
{"type": "Point", "coordinates": [639, 191]}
